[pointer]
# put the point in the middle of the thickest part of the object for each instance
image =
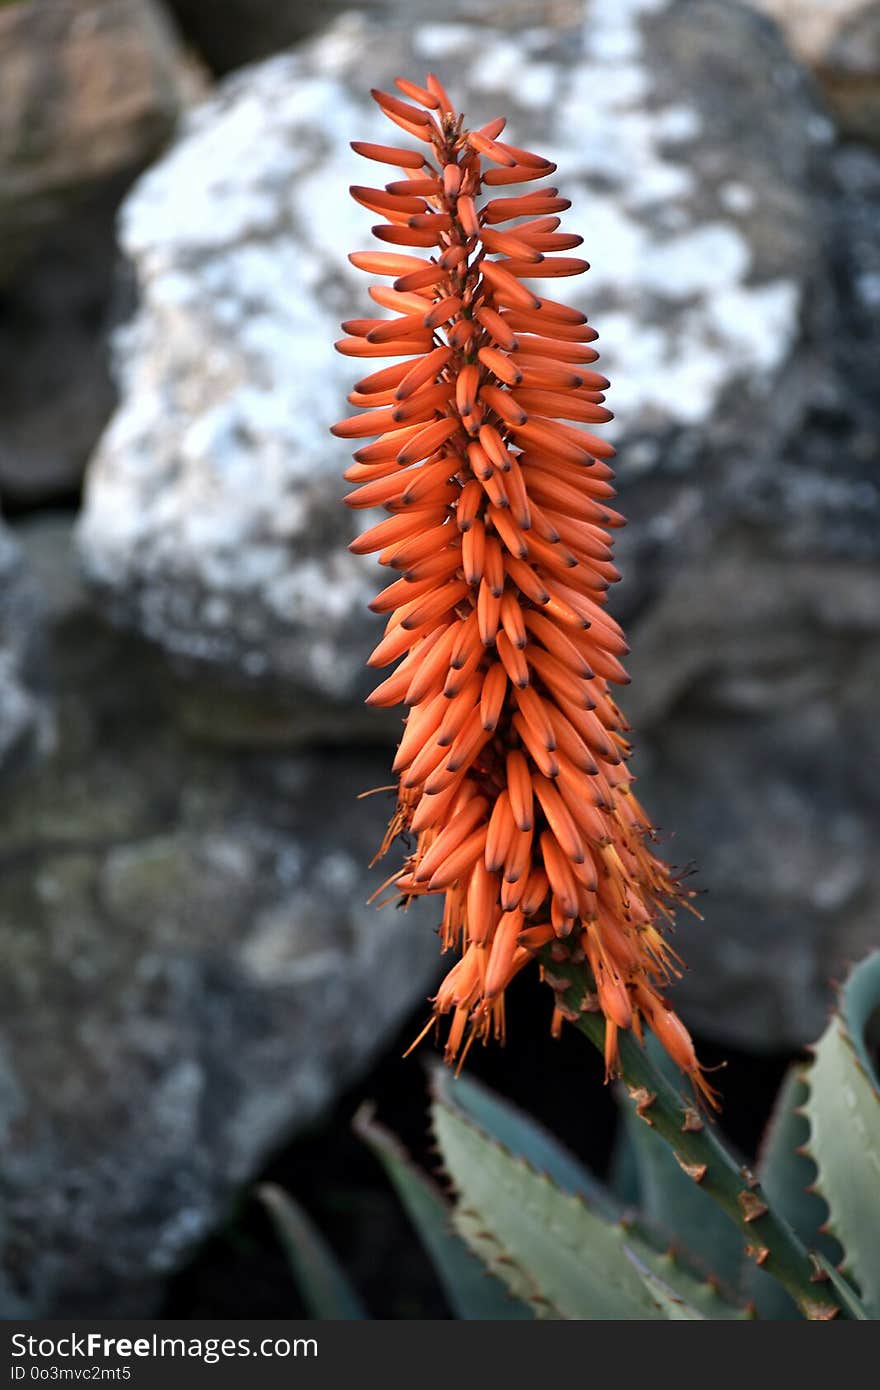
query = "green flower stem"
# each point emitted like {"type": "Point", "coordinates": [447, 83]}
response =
{"type": "Point", "coordinates": [701, 1154]}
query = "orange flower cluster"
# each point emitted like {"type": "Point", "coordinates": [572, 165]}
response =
{"type": "Point", "coordinates": [512, 766]}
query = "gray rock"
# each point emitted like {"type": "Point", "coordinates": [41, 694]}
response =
{"type": "Point", "coordinates": [228, 33]}
{"type": "Point", "coordinates": [754, 677]}
{"type": "Point", "coordinates": [57, 392]}
{"type": "Point", "coordinates": [811, 26]}
{"type": "Point", "coordinates": [754, 686]}
{"type": "Point", "coordinates": [90, 93]}
{"type": "Point", "coordinates": [90, 90]}
{"type": "Point", "coordinates": [758, 747]}
{"type": "Point", "coordinates": [22, 710]}
{"type": "Point", "coordinates": [735, 258]}
{"type": "Point", "coordinates": [840, 41]}
{"type": "Point", "coordinates": [191, 972]}
{"type": "Point", "coordinates": [850, 75]}
{"type": "Point", "coordinates": [212, 521]}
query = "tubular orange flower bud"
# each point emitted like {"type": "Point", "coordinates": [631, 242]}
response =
{"type": "Point", "coordinates": [512, 772]}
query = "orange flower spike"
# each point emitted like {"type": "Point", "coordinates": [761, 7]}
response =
{"type": "Point", "coordinates": [514, 794]}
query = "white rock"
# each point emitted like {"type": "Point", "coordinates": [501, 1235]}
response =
{"type": "Point", "coordinates": [217, 478]}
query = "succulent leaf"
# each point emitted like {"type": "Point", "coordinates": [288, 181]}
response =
{"type": "Point", "coordinates": [522, 1135]}
{"type": "Point", "coordinates": [624, 1178]}
{"type": "Point", "coordinates": [325, 1289]}
{"type": "Point", "coordinates": [472, 1291]}
{"type": "Point", "coordinates": [565, 1252]}
{"type": "Point", "coordinates": [843, 1112]}
{"type": "Point", "coordinates": [673, 1201]}
{"type": "Point", "coordinates": [677, 1310]}
{"type": "Point", "coordinates": [679, 1272]}
{"type": "Point", "coordinates": [497, 1262]}
{"type": "Point", "coordinates": [787, 1175]}
{"type": "Point", "coordinates": [860, 1009]}
{"type": "Point", "coordinates": [576, 1258]}
{"type": "Point", "coordinates": [844, 1291]}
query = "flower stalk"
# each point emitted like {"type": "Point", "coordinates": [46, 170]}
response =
{"type": "Point", "coordinates": [770, 1241]}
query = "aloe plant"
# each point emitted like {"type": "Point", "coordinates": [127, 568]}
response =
{"type": "Point", "coordinates": [528, 1232]}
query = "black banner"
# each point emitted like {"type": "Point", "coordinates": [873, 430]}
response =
{"type": "Point", "coordinates": [267, 1354]}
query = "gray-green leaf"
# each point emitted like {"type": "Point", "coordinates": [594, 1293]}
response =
{"type": "Point", "coordinates": [521, 1134]}
{"type": "Point", "coordinates": [786, 1175]}
{"type": "Point", "coordinates": [576, 1260]}
{"type": "Point", "coordinates": [689, 1282]}
{"type": "Point", "coordinates": [325, 1289]}
{"type": "Point", "coordinates": [843, 1111]}
{"type": "Point", "coordinates": [473, 1293]}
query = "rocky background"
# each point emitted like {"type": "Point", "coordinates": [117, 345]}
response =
{"type": "Point", "coordinates": [190, 972]}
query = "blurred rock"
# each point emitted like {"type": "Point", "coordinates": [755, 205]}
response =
{"type": "Point", "coordinates": [760, 755]}
{"type": "Point", "coordinates": [90, 89]}
{"type": "Point", "coordinates": [754, 679]}
{"type": "Point", "coordinates": [190, 972]}
{"type": "Point", "coordinates": [229, 33]}
{"type": "Point", "coordinates": [57, 392]}
{"type": "Point", "coordinates": [91, 92]}
{"type": "Point", "coordinates": [840, 40]}
{"type": "Point", "coordinates": [21, 707]}
{"type": "Point", "coordinates": [811, 26]}
{"type": "Point", "coordinates": [735, 264]}
{"type": "Point", "coordinates": [850, 75]}
{"type": "Point", "coordinates": [212, 519]}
